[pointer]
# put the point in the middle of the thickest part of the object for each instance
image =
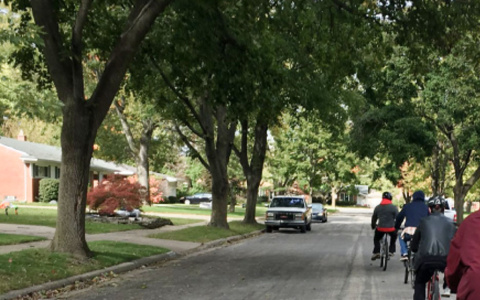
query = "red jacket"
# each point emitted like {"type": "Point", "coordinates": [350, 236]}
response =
{"type": "Point", "coordinates": [463, 261]}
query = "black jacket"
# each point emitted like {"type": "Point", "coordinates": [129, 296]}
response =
{"type": "Point", "coordinates": [431, 240]}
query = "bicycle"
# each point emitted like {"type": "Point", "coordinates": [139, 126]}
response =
{"type": "Point", "coordinates": [433, 286]}
{"type": "Point", "coordinates": [409, 270]}
{"type": "Point", "coordinates": [384, 255]}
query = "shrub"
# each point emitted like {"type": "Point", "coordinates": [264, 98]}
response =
{"type": "Point", "coordinates": [113, 193]}
{"type": "Point", "coordinates": [262, 199]}
{"type": "Point", "coordinates": [156, 193]}
{"type": "Point", "coordinates": [48, 189]}
{"type": "Point", "coordinates": [172, 199]}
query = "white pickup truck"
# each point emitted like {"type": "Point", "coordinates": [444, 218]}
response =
{"type": "Point", "coordinates": [450, 211]}
{"type": "Point", "coordinates": [289, 211]}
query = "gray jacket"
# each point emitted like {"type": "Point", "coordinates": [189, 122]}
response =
{"type": "Point", "coordinates": [385, 213]}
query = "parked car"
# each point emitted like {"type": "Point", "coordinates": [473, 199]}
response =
{"type": "Point", "coordinates": [196, 198]}
{"type": "Point", "coordinates": [319, 213]}
{"type": "Point", "coordinates": [289, 211]}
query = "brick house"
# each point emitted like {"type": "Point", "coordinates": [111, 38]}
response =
{"type": "Point", "coordinates": [23, 164]}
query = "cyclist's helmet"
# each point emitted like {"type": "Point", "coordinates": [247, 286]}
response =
{"type": "Point", "coordinates": [436, 201]}
{"type": "Point", "coordinates": [387, 195]}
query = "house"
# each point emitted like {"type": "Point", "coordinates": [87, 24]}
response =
{"type": "Point", "coordinates": [361, 198]}
{"type": "Point", "coordinates": [23, 164]}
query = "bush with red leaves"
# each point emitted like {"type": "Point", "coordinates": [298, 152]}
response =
{"type": "Point", "coordinates": [114, 192]}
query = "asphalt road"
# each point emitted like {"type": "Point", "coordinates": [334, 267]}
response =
{"type": "Point", "coordinates": [330, 262]}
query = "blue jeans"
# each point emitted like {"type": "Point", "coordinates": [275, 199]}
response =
{"type": "Point", "coordinates": [403, 243]}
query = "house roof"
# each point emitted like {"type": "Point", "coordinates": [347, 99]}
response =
{"type": "Point", "coordinates": [35, 153]}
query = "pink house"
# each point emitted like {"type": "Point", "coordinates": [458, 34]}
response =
{"type": "Point", "coordinates": [23, 164]}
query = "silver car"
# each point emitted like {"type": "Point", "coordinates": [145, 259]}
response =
{"type": "Point", "coordinates": [289, 212]}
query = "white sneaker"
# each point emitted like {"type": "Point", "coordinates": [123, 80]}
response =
{"type": "Point", "coordinates": [446, 292]}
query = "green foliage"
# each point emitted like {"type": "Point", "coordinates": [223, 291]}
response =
{"type": "Point", "coordinates": [172, 199]}
{"type": "Point", "coordinates": [262, 199]}
{"type": "Point", "coordinates": [48, 189]}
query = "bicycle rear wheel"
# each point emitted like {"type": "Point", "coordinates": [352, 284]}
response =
{"type": "Point", "coordinates": [385, 252]}
{"type": "Point", "coordinates": [407, 271]}
{"type": "Point", "coordinates": [433, 287]}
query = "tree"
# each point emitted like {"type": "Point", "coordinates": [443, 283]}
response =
{"type": "Point", "coordinates": [66, 31]}
{"type": "Point", "coordinates": [414, 176]}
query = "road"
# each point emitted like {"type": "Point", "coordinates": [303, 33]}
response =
{"type": "Point", "coordinates": [330, 262]}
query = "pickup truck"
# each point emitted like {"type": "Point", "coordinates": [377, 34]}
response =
{"type": "Point", "coordinates": [289, 212]}
{"type": "Point", "coordinates": [450, 211]}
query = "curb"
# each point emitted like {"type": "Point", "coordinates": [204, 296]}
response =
{"type": "Point", "coordinates": [123, 267]}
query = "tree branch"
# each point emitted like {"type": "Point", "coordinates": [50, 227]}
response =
{"type": "Point", "coordinates": [143, 16]}
{"type": "Point", "coordinates": [190, 146]}
{"type": "Point", "coordinates": [77, 48]}
{"type": "Point", "coordinates": [126, 127]}
{"type": "Point", "coordinates": [59, 66]}
{"type": "Point", "coordinates": [184, 99]}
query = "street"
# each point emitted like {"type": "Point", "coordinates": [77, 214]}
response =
{"type": "Point", "coordinates": [330, 262]}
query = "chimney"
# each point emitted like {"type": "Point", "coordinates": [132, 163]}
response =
{"type": "Point", "coordinates": [21, 136]}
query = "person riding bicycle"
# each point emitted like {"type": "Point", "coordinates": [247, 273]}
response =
{"type": "Point", "coordinates": [412, 213]}
{"type": "Point", "coordinates": [431, 243]}
{"type": "Point", "coordinates": [463, 263]}
{"type": "Point", "coordinates": [385, 213]}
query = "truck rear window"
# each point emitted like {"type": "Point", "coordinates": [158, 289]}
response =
{"type": "Point", "coordinates": [287, 202]}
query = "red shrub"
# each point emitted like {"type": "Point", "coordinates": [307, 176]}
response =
{"type": "Point", "coordinates": [155, 190]}
{"type": "Point", "coordinates": [113, 193]}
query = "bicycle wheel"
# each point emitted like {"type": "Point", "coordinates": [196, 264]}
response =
{"type": "Point", "coordinates": [385, 252]}
{"type": "Point", "coordinates": [407, 271]}
{"type": "Point", "coordinates": [436, 287]}
{"type": "Point", "coordinates": [410, 268]}
{"type": "Point", "coordinates": [433, 287]}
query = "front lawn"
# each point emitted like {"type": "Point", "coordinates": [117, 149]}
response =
{"type": "Point", "coordinates": [196, 210]}
{"type": "Point", "coordinates": [35, 266]}
{"type": "Point", "coordinates": [48, 217]}
{"type": "Point", "coordinates": [12, 239]}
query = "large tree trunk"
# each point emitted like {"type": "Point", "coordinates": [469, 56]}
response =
{"type": "Point", "coordinates": [77, 141]}
{"type": "Point", "coordinates": [253, 170]}
{"type": "Point", "coordinates": [218, 152]}
{"type": "Point", "coordinates": [220, 190]}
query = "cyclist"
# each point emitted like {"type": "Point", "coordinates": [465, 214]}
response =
{"type": "Point", "coordinates": [463, 263]}
{"type": "Point", "coordinates": [431, 243]}
{"type": "Point", "coordinates": [412, 213]}
{"type": "Point", "coordinates": [385, 214]}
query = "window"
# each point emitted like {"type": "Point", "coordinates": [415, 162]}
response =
{"type": "Point", "coordinates": [41, 171]}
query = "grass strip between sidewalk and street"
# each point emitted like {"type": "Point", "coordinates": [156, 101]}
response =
{"type": "Point", "coordinates": [36, 266]}
{"type": "Point", "coordinates": [13, 239]}
{"type": "Point", "coordinates": [203, 234]}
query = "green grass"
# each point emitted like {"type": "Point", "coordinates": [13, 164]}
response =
{"type": "Point", "coordinates": [48, 217]}
{"type": "Point", "coordinates": [196, 210]}
{"type": "Point", "coordinates": [35, 266]}
{"type": "Point", "coordinates": [203, 234]}
{"type": "Point", "coordinates": [12, 239]}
